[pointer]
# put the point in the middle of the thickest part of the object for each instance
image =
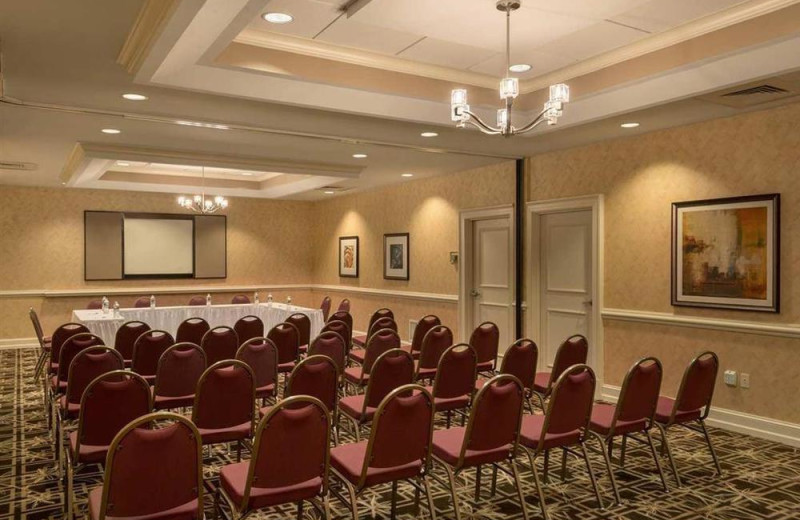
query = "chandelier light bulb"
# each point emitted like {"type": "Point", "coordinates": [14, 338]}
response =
{"type": "Point", "coordinates": [509, 88]}
{"type": "Point", "coordinates": [458, 96]}
{"type": "Point", "coordinates": [559, 92]}
{"type": "Point", "coordinates": [502, 119]}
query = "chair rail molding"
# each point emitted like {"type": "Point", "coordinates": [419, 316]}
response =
{"type": "Point", "coordinates": [786, 330]}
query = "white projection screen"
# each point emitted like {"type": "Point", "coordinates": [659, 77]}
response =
{"type": "Point", "coordinates": [156, 246]}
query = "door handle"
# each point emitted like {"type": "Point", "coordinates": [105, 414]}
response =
{"type": "Point", "coordinates": [587, 302]}
{"type": "Point", "coordinates": [474, 293]}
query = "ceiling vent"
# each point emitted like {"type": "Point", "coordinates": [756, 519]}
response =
{"type": "Point", "coordinates": [774, 91]}
{"type": "Point", "coordinates": [760, 89]}
{"type": "Point", "coordinates": [13, 165]}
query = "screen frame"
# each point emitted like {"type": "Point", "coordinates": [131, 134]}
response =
{"type": "Point", "coordinates": [159, 216]}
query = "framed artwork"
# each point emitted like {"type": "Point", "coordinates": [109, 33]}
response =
{"type": "Point", "coordinates": [348, 257]}
{"type": "Point", "coordinates": [726, 253]}
{"type": "Point", "coordinates": [395, 256]}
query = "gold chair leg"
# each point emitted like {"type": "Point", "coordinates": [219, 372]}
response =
{"type": "Point", "coordinates": [69, 489]}
{"type": "Point", "coordinates": [326, 504]}
{"type": "Point", "coordinates": [622, 451]}
{"type": "Point", "coordinates": [610, 469]}
{"type": "Point", "coordinates": [546, 472]}
{"type": "Point", "coordinates": [657, 461]}
{"type": "Point", "coordinates": [394, 500]}
{"type": "Point", "coordinates": [429, 497]}
{"type": "Point", "coordinates": [665, 447]}
{"type": "Point", "coordinates": [591, 476]}
{"type": "Point", "coordinates": [710, 447]}
{"type": "Point", "coordinates": [563, 465]}
{"type": "Point", "coordinates": [452, 480]}
{"type": "Point", "coordinates": [538, 483]}
{"type": "Point", "coordinates": [518, 485]}
{"type": "Point", "coordinates": [353, 500]}
{"type": "Point", "coordinates": [478, 474]}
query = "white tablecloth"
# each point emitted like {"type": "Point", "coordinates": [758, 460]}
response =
{"type": "Point", "coordinates": [168, 318]}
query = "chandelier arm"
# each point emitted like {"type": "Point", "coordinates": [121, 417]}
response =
{"type": "Point", "coordinates": [476, 121]}
{"type": "Point", "coordinates": [533, 124]}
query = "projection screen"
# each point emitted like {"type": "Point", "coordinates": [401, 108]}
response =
{"type": "Point", "coordinates": [158, 247]}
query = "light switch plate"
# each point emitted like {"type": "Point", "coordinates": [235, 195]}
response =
{"type": "Point", "coordinates": [730, 377]}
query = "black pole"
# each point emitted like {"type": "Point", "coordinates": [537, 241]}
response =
{"type": "Point", "coordinates": [519, 213]}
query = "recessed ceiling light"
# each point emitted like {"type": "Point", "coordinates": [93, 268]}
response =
{"type": "Point", "coordinates": [359, 156]}
{"type": "Point", "coordinates": [329, 192]}
{"type": "Point", "coordinates": [520, 67]}
{"type": "Point", "coordinates": [407, 175]}
{"type": "Point", "coordinates": [429, 134]}
{"type": "Point", "coordinates": [247, 174]}
{"type": "Point", "coordinates": [629, 125]}
{"type": "Point", "coordinates": [135, 97]}
{"type": "Point", "coordinates": [110, 131]}
{"type": "Point", "coordinates": [123, 163]}
{"type": "Point", "coordinates": [277, 17]}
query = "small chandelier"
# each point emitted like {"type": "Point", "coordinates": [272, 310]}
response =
{"type": "Point", "coordinates": [201, 204]}
{"type": "Point", "coordinates": [509, 90]}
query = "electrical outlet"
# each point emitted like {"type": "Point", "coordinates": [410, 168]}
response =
{"type": "Point", "coordinates": [744, 380]}
{"type": "Point", "coordinates": [730, 377]}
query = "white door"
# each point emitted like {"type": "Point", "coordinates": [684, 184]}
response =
{"type": "Point", "coordinates": [565, 281]}
{"type": "Point", "coordinates": [492, 277]}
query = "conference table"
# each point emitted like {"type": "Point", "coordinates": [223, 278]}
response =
{"type": "Point", "coordinates": [105, 324]}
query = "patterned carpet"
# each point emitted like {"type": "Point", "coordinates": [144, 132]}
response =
{"type": "Point", "coordinates": [761, 479]}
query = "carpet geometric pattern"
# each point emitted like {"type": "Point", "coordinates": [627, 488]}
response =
{"type": "Point", "coordinates": [761, 479]}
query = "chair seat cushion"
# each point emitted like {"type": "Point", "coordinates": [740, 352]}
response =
{"type": "Point", "coordinates": [187, 511]}
{"type": "Point", "coordinates": [164, 402]}
{"type": "Point", "coordinates": [47, 339]}
{"type": "Point", "coordinates": [360, 340]}
{"type": "Point", "coordinates": [56, 385]}
{"type": "Point", "coordinates": [348, 459]}
{"type": "Point", "coordinates": [232, 433]}
{"type": "Point", "coordinates": [442, 404]}
{"type": "Point", "coordinates": [70, 409]}
{"type": "Point", "coordinates": [531, 431]}
{"type": "Point", "coordinates": [233, 479]}
{"type": "Point", "coordinates": [424, 373]}
{"type": "Point", "coordinates": [447, 446]}
{"type": "Point", "coordinates": [541, 381]}
{"type": "Point", "coordinates": [303, 348]}
{"type": "Point", "coordinates": [664, 411]}
{"type": "Point", "coordinates": [602, 417]}
{"type": "Point", "coordinates": [354, 375]}
{"type": "Point", "coordinates": [353, 405]}
{"type": "Point", "coordinates": [357, 354]}
{"type": "Point", "coordinates": [286, 367]}
{"type": "Point", "coordinates": [485, 366]}
{"type": "Point", "coordinates": [265, 391]}
{"type": "Point", "coordinates": [88, 454]}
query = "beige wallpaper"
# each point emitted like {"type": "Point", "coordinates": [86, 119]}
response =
{"type": "Point", "coordinates": [640, 177]}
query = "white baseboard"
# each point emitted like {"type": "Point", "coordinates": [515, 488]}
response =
{"type": "Point", "coordinates": [18, 343]}
{"type": "Point", "coordinates": [740, 422]}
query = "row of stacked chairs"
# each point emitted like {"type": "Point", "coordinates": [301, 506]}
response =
{"type": "Point", "coordinates": [389, 374]}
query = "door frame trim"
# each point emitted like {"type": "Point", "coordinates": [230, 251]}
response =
{"type": "Point", "coordinates": [465, 220]}
{"type": "Point", "coordinates": [534, 212]}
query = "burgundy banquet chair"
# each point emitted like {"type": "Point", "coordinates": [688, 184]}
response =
{"type": "Point", "coordinates": [520, 361]}
{"type": "Point", "coordinates": [60, 335]}
{"type": "Point", "coordinates": [573, 351]}
{"type": "Point", "coordinates": [384, 312]}
{"type": "Point", "coordinates": [147, 351]}
{"type": "Point", "coordinates": [357, 354]}
{"type": "Point", "coordinates": [126, 337]}
{"type": "Point", "coordinates": [303, 324]}
{"type": "Point", "coordinates": [425, 324]}
{"type": "Point", "coordinates": [179, 370]}
{"type": "Point", "coordinates": [248, 327]}
{"type": "Point", "coordinates": [152, 472]}
{"type": "Point", "coordinates": [435, 342]}
{"type": "Point", "coordinates": [485, 339]}
{"type": "Point", "coordinates": [347, 318]}
{"type": "Point", "coordinates": [142, 302]}
{"type": "Point", "coordinates": [325, 307]}
{"type": "Point", "coordinates": [289, 462]}
{"type": "Point", "coordinates": [286, 338]}
{"type": "Point", "coordinates": [240, 299]}
{"type": "Point", "coordinates": [94, 304]}
{"type": "Point", "coordinates": [197, 300]}
{"type": "Point", "coordinates": [399, 448]}
{"type": "Point", "coordinates": [219, 343]}
{"type": "Point", "coordinates": [692, 405]}
{"type": "Point", "coordinates": [330, 344]}
{"type": "Point", "coordinates": [344, 306]}
{"type": "Point", "coordinates": [342, 329]}
{"type": "Point", "coordinates": [69, 349]}
{"type": "Point", "coordinates": [87, 365]}
{"type": "Point", "coordinates": [192, 330]}
{"type": "Point", "coordinates": [318, 377]}
{"type": "Point", "coordinates": [454, 383]}
{"type": "Point", "coordinates": [380, 342]}
{"type": "Point", "coordinates": [45, 343]}
{"type": "Point", "coordinates": [261, 355]}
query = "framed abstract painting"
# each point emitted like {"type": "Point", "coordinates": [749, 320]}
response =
{"type": "Point", "coordinates": [348, 257]}
{"type": "Point", "coordinates": [726, 253]}
{"type": "Point", "coordinates": [395, 256]}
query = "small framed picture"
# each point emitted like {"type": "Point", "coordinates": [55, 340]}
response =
{"type": "Point", "coordinates": [395, 256]}
{"type": "Point", "coordinates": [348, 257]}
{"type": "Point", "coordinates": [725, 253]}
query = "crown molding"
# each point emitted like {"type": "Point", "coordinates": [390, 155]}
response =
{"type": "Point", "coordinates": [145, 31]}
{"type": "Point", "coordinates": [73, 163]}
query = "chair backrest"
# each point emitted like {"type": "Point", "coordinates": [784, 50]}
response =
{"type": "Point", "coordinates": [325, 306]}
{"type": "Point", "coordinates": [87, 365]}
{"type": "Point", "coordinates": [37, 326]}
{"type": "Point", "coordinates": [225, 396]}
{"type": "Point", "coordinates": [127, 335]}
{"type": "Point", "coordinates": [401, 432]}
{"type": "Point", "coordinates": [638, 397]}
{"type": "Point", "coordinates": [425, 324]}
{"type": "Point", "coordinates": [219, 343]}
{"type": "Point", "coordinates": [147, 350]}
{"type": "Point", "coordinates": [383, 312]}
{"type": "Point", "coordinates": [570, 406]}
{"type": "Point", "coordinates": [159, 469]}
{"type": "Point", "coordinates": [485, 339]}
{"type": "Point", "coordinates": [248, 327]}
{"type": "Point", "coordinates": [60, 335]}
{"type": "Point", "coordinates": [197, 300]}
{"type": "Point", "coordinates": [330, 344]}
{"type": "Point", "coordinates": [457, 372]}
{"type": "Point", "coordinates": [261, 355]}
{"type": "Point", "coordinates": [94, 304]}
{"type": "Point", "coordinates": [496, 415]}
{"type": "Point", "coordinates": [341, 328]}
{"type": "Point", "coordinates": [520, 361]}
{"type": "Point", "coordinates": [697, 385]}
{"type": "Point", "coordinates": [240, 298]}
{"type": "Point", "coordinates": [344, 305]}
{"type": "Point", "coordinates": [108, 404]}
{"type": "Point", "coordinates": [287, 340]}
{"type": "Point", "coordinates": [291, 446]}
{"type": "Point", "coordinates": [382, 323]}
{"type": "Point", "coordinates": [316, 376]}
{"type": "Point", "coordinates": [573, 351]}
{"type": "Point", "coordinates": [303, 324]}
{"type": "Point", "coordinates": [141, 302]}
{"type": "Point", "coordinates": [435, 342]}
{"type": "Point", "coordinates": [391, 370]}
{"type": "Point", "coordinates": [71, 347]}
{"type": "Point", "coordinates": [179, 369]}
{"type": "Point", "coordinates": [381, 341]}
{"type": "Point", "coordinates": [192, 330]}
{"type": "Point", "coordinates": [345, 317]}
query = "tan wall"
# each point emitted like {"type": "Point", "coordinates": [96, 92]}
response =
{"type": "Point", "coordinates": [640, 177]}
{"type": "Point", "coordinates": [428, 210]}
{"type": "Point", "coordinates": [41, 247]}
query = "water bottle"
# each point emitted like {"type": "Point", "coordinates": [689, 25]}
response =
{"type": "Point", "coordinates": [289, 301]}
{"type": "Point", "coordinates": [116, 309]}
{"type": "Point", "coordinates": [105, 305]}
{"type": "Point", "coordinates": [152, 301]}
{"type": "Point", "coordinates": [269, 299]}
{"type": "Point", "coordinates": [255, 297]}
{"type": "Point", "coordinates": [208, 299]}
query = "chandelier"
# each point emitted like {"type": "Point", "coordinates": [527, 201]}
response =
{"type": "Point", "coordinates": [509, 90]}
{"type": "Point", "coordinates": [201, 204]}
